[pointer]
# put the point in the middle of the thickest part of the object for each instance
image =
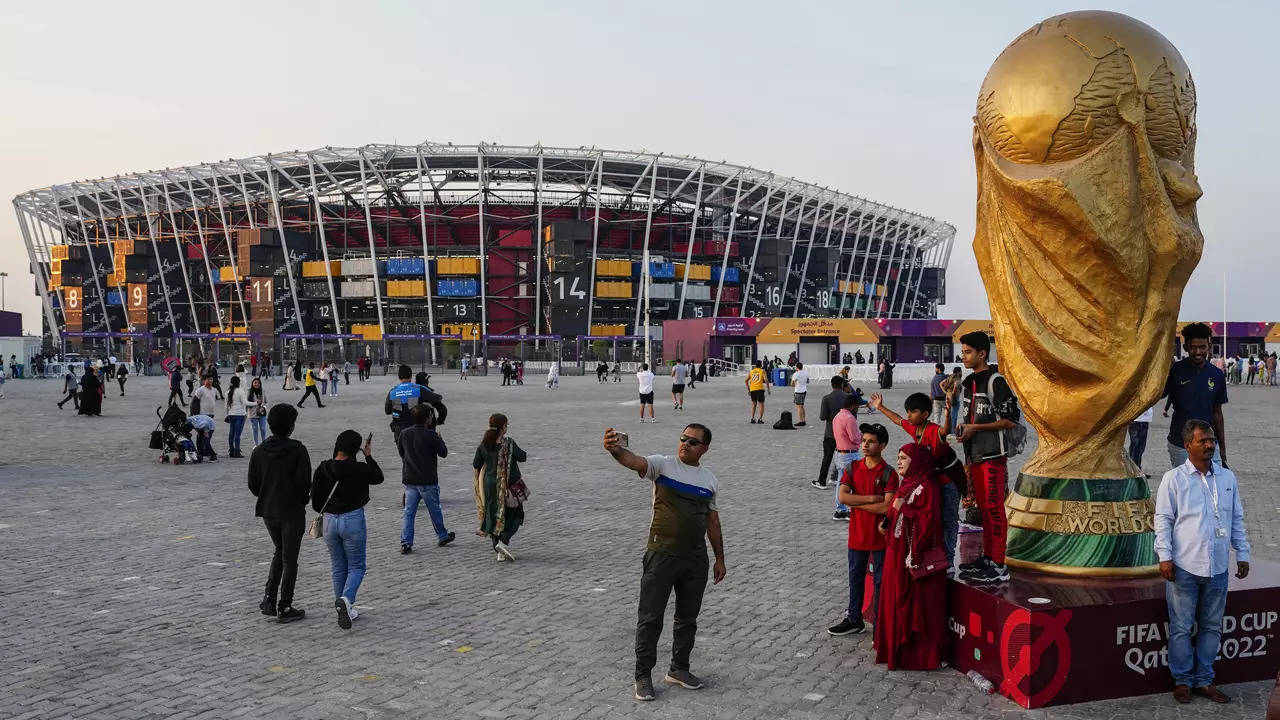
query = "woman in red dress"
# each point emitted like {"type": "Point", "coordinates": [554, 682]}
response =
{"type": "Point", "coordinates": [911, 631]}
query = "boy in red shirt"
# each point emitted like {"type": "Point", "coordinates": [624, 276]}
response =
{"type": "Point", "coordinates": [867, 488]}
{"type": "Point", "coordinates": [919, 407]}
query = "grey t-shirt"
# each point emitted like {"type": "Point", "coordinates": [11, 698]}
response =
{"type": "Point", "coordinates": [679, 374]}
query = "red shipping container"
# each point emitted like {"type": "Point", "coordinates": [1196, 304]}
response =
{"type": "Point", "coordinates": [730, 294]}
{"type": "Point", "coordinates": [194, 251]}
{"type": "Point", "coordinates": [731, 311]}
{"type": "Point", "coordinates": [682, 248]}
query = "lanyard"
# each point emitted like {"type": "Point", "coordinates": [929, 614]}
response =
{"type": "Point", "coordinates": [1211, 495]}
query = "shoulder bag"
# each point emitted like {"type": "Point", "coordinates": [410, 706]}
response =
{"type": "Point", "coordinates": [317, 525]}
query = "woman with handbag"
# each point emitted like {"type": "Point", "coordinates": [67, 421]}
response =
{"type": "Point", "coordinates": [237, 411]}
{"type": "Point", "coordinates": [258, 410]}
{"type": "Point", "coordinates": [500, 490]}
{"type": "Point", "coordinates": [339, 492]}
{"type": "Point", "coordinates": [912, 623]}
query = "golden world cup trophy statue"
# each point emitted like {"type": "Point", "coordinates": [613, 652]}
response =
{"type": "Point", "coordinates": [1086, 235]}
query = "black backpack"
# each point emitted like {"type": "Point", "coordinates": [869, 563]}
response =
{"type": "Point", "coordinates": [784, 422]}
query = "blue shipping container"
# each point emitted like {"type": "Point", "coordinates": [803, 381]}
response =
{"type": "Point", "coordinates": [730, 274]}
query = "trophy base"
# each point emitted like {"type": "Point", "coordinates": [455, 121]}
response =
{"type": "Point", "coordinates": [1079, 527]}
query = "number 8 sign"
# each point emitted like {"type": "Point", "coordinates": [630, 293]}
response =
{"type": "Point", "coordinates": [73, 299]}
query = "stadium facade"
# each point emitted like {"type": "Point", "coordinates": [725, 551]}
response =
{"type": "Point", "coordinates": [484, 242]}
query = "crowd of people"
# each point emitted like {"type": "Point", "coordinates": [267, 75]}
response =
{"type": "Point", "coordinates": [903, 507]}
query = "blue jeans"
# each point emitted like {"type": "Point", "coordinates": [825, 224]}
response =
{"type": "Point", "coordinates": [430, 496]}
{"type": "Point", "coordinates": [259, 425]}
{"type": "Point", "coordinates": [839, 463]}
{"type": "Point", "coordinates": [333, 386]}
{"type": "Point", "coordinates": [204, 444]}
{"type": "Point", "coordinates": [955, 416]}
{"type": "Point", "coordinates": [1138, 441]}
{"type": "Point", "coordinates": [950, 520]}
{"type": "Point", "coordinates": [345, 536]}
{"type": "Point", "coordinates": [1200, 601]}
{"type": "Point", "coordinates": [233, 433]}
{"type": "Point", "coordinates": [858, 581]}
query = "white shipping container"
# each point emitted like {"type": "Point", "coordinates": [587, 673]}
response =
{"type": "Point", "coordinates": [698, 292]}
{"type": "Point", "coordinates": [357, 288]}
{"type": "Point", "coordinates": [662, 291]}
{"type": "Point", "coordinates": [357, 266]}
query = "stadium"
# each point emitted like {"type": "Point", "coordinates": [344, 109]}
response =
{"type": "Point", "coordinates": [408, 251]}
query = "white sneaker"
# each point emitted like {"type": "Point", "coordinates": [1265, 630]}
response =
{"type": "Point", "coordinates": [503, 550]}
{"type": "Point", "coordinates": [351, 611]}
{"type": "Point", "coordinates": [501, 557]}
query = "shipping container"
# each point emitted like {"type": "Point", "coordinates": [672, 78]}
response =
{"type": "Point", "coordinates": [662, 291]}
{"type": "Point", "coordinates": [458, 265]}
{"type": "Point", "coordinates": [355, 267]}
{"type": "Point", "coordinates": [613, 268]}
{"type": "Point", "coordinates": [315, 268]}
{"type": "Point", "coordinates": [608, 329]}
{"type": "Point", "coordinates": [731, 274]}
{"type": "Point", "coordinates": [698, 292]}
{"type": "Point", "coordinates": [613, 289]}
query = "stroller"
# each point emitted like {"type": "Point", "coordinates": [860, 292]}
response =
{"type": "Point", "coordinates": [173, 436]}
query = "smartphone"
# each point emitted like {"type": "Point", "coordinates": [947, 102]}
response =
{"type": "Point", "coordinates": [624, 440]}
{"type": "Point", "coordinates": [368, 439]}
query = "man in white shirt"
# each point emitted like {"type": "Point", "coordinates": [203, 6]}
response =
{"type": "Point", "coordinates": [1198, 515]}
{"type": "Point", "coordinates": [800, 381]}
{"type": "Point", "coordinates": [645, 379]}
{"type": "Point", "coordinates": [679, 376]}
{"type": "Point", "coordinates": [206, 395]}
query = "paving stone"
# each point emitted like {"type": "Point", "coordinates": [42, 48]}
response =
{"type": "Point", "coordinates": [133, 586]}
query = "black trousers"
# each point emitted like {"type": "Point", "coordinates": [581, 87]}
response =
{"type": "Point", "coordinates": [687, 576]}
{"type": "Point", "coordinates": [828, 449]}
{"type": "Point", "coordinates": [286, 534]}
{"type": "Point", "coordinates": [176, 393]}
{"type": "Point", "coordinates": [311, 390]}
{"type": "Point", "coordinates": [73, 396]}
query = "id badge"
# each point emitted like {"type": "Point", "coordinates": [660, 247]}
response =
{"type": "Point", "coordinates": [1220, 532]}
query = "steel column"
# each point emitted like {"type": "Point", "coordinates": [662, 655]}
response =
{"type": "Point", "coordinates": [764, 220]}
{"type": "Point", "coordinates": [122, 287]}
{"type": "Point", "coordinates": [693, 234]}
{"type": "Point", "coordinates": [483, 187]}
{"type": "Point", "coordinates": [373, 253]}
{"type": "Point", "coordinates": [595, 237]}
{"type": "Point", "coordinates": [724, 263]}
{"type": "Point", "coordinates": [426, 260]}
{"type": "Point", "coordinates": [284, 243]}
{"type": "Point", "coordinates": [537, 248]}
{"type": "Point", "coordinates": [853, 259]}
{"type": "Point", "coordinates": [226, 237]}
{"type": "Point", "coordinates": [813, 232]}
{"type": "Point", "coordinates": [155, 248]}
{"type": "Point", "coordinates": [324, 253]}
{"type": "Point", "coordinates": [42, 282]}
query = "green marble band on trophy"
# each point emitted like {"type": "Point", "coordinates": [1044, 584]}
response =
{"type": "Point", "coordinates": [1081, 527]}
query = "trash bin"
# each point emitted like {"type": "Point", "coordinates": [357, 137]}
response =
{"type": "Point", "coordinates": [782, 377]}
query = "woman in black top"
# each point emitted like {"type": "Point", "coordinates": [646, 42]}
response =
{"type": "Point", "coordinates": [122, 375]}
{"type": "Point", "coordinates": [90, 393]}
{"type": "Point", "coordinates": [340, 491]}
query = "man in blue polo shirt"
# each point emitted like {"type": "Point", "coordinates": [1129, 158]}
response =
{"type": "Point", "coordinates": [404, 396]}
{"type": "Point", "coordinates": [1197, 390]}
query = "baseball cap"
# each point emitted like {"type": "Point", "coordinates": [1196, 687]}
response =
{"type": "Point", "coordinates": [875, 429]}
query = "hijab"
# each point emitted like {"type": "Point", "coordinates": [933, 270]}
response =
{"type": "Point", "coordinates": [921, 469]}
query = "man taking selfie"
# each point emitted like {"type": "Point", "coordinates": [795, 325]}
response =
{"type": "Point", "coordinates": [684, 513]}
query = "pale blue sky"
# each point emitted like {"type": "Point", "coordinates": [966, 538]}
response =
{"type": "Point", "coordinates": [872, 98]}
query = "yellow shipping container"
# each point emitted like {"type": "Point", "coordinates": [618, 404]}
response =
{"type": "Point", "coordinates": [613, 268]}
{"type": "Point", "coordinates": [124, 247]}
{"type": "Point", "coordinates": [458, 266]}
{"type": "Point", "coordinates": [414, 288]}
{"type": "Point", "coordinates": [608, 329]}
{"type": "Point", "coordinates": [227, 274]}
{"type": "Point", "coordinates": [315, 268]}
{"type": "Point", "coordinates": [696, 272]}
{"type": "Point", "coordinates": [613, 289]}
{"type": "Point", "coordinates": [369, 332]}
{"type": "Point", "coordinates": [58, 252]}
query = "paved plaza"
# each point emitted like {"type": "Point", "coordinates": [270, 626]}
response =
{"type": "Point", "coordinates": [131, 587]}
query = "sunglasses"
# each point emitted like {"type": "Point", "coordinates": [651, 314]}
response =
{"type": "Point", "coordinates": [685, 439]}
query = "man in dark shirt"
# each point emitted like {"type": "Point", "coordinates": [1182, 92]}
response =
{"type": "Point", "coordinates": [1197, 390]}
{"type": "Point", "coordinates": [831, 404]}
{"type": "Point", "coordinates": [937, 394]}
{"type": "Point", "coordinates": [420, 446]}
{"type": "Point", "coordinates": [280, 477]}
{"type": "Point", "coordinates": [989, 409]}
{"type": "Point", "coordinates": [675, 558]}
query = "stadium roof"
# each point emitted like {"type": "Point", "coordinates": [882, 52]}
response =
{"type": "Point", "coordinates": [377, 171]}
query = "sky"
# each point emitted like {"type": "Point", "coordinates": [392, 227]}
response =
{"type": "Point", "coordinates": [871, 98]}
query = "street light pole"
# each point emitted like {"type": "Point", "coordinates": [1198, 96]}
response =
{"type": "Point", "coordinates": [3, 275]}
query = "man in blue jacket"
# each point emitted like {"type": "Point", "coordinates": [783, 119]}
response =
{"type": "Point", "coordinates": [408, 394]}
